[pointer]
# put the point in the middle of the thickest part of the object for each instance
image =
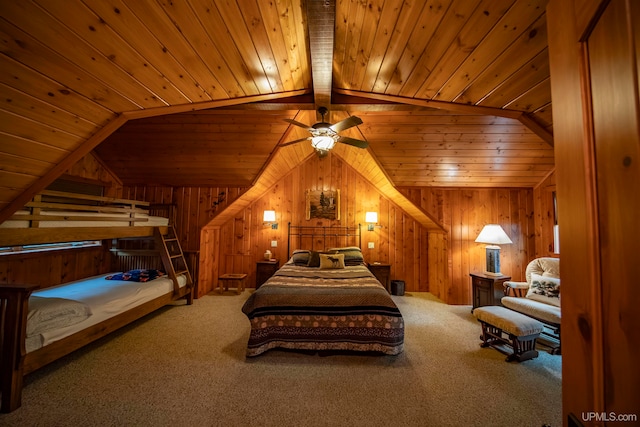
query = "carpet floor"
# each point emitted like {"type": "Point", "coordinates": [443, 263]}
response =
{"type": "Point", "coordinates": [185, 365]}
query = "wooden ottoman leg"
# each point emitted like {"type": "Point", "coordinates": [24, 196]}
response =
{"type": "Point", "coordinates": [524, 348]}
{"type": "Point", "coordinates": [490, 335]}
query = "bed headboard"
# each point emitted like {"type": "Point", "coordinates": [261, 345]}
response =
{"type": "Point", "coordinates": [320, 237]}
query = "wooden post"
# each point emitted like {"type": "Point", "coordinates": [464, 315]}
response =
{"type": "Point", "coordinates": [15, 305]}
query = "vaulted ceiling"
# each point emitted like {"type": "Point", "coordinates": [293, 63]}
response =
{"type": "Point", "coordinates": [451, 92]}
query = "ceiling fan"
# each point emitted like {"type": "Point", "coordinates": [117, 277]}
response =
{"type": "Point", "coordinates": [324, 135]}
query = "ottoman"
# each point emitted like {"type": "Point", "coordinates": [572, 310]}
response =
{"type": "Point", "coordinates": [502, 327]}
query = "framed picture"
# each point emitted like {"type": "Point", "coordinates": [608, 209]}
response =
{"type": "Point", "coordinates": [323, 204]}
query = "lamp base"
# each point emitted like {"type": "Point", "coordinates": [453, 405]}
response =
{"type": "Point", "coordinates": [493, 261]}
{"type": "Point", "coordinates": [491, 273]}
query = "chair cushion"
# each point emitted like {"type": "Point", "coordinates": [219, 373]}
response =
{"type": "Point", "coordinates": [544, 289]}
{"type": "Point", "coordinates": [545, 312]}
{"type": "Point", "coordinates": [544, 266]}
{"type": "Point", "coordinates": [508, 320]}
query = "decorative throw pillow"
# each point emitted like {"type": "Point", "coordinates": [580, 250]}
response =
{"type": "Point", "coordinates": [137, 275]}
{"type": "Point", "coordinates": [300, 257]}
{"type": "Point", "coordinates": [544, 289]}
{"type": "Point", "coordinates": [330, 262]}
{"type": "Point", "coordinates": [314, 258]}
{"type": "Point", "coordinates": [352, 255]}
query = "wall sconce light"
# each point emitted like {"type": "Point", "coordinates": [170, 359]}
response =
{"type": "Point", "coordinates": [371, 218]}
{"type": "Point", "coordinates": [493, 235]}
{"type": "Point", "coordinates": [269, 218]}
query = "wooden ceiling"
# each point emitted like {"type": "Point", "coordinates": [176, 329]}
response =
{"type": "Point", "coordinates": [193, 92]}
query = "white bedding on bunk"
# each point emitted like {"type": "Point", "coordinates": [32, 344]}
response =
{"type": "Point", "coordinates": [151, 221]}
{"type": "Point", "coordinates": [104, 299]}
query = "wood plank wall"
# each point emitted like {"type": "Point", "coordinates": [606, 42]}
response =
{"type": "Point", "coordinates": [400, 240]}
{"type": "Point", "coordinates": [426, 262]}
{"type": "Point", "coordinates": [464, 212]}
{"type": "Point", "coordinates": [545, 213]}
{"type": "Point", "coordinates": [196, 206]}
{"type": "Point", "coordinates": [53, 268]}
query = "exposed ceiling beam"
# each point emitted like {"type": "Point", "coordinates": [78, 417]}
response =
{"type": "Point", "coordinates": [184, 108]}
{"type": "Point", "coordinates": [441, 105]}
{"type": "Point", "coordinates": [461, 108]}
{"type": "Point", "coordinates": [321, 16]}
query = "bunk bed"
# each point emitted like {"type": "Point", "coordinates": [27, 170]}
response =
{"type": "Point", "coordinates": [55, 216]}
{"type": "Point", "coordinates": [326, 301]}
{"type": "Point", "coordinates": [42, 325]}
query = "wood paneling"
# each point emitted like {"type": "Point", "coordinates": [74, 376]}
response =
{"type": "Point", "coordinates": [195, 206]}
{"type": "Point", "coordinates": [463, 213]}
{"type": "Point", "coordinates": [401, 240]}
{"type": "Point", "coordinates": [53, 268]}
{"type": "Point", "coordinates": [202, 148]}
{"type": "Point", "coordinates": [438, 148]}
{"type": "Point", "coordinates": [73, 72]}
{"type": "Point", "coordinates": [545, 216]}
{"type": "Point", "coordinates": [593, 58]}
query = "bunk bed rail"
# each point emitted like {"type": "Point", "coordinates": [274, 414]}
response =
{"type": "Point", "coordinates": [55, 216]}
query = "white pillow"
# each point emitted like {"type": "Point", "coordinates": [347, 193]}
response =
{"type": "Point", "coordinates": [544, 289]}
{"type": "Point", "coordinates": [53, 313]}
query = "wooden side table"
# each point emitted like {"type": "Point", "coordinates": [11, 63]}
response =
{"type": "Point", "coordinates": [264, 270]}
{"type": "Point", "coordinates": [232, 279]}
{"type": "Point", "coordinates": [487, 289]}
{"type": "Point", "coordinates": [382, 273]}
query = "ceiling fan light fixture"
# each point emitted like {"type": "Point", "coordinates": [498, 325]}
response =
{"type": "Point", "coordinates": [323, 142]}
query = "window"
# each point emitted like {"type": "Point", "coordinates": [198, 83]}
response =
{"type": "Point", "coordinates": [25, 249]}
{"type": "Point", "coordinates": [67, 184]}
{"type": "Point", "coordinates": [556, 227]}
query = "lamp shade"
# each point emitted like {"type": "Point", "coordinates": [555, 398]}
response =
{"type": "Point", "coordinates": [322, 142]}
{"type": "Point", "coordinates": [269, 216]}
{"type": "Point", "coordinates": [371, 217]}
{"type": "Point", "coordinates": [493, 234]}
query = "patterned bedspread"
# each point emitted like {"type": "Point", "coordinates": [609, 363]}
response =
{"type": "Point", "coordinates": [315, 309]}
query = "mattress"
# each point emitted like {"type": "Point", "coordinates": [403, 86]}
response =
{"type": "Point", "coordinates": [103, 298]}
{"type": "Point", "coordinates": [143, 219]}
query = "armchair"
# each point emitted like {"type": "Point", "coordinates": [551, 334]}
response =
{"type": "Point", "coordinates": [539, 296]}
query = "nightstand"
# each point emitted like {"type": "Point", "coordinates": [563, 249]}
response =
{"type": "Point", "coordinates": [487, 289]}
{"type": "Point", "coordinates": [382, 273]}
{"type": "Point", "coordinates": [264, 270]}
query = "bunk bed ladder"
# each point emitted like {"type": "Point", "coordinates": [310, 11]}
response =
{"type": "Point", "coordinates": [173, 258]}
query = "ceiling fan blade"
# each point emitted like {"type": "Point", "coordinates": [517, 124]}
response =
{"type": "Point", "coordinates": [293, 122]}
{"type": "Point", "coordinates": [355, 142]}
{"type": "Point", "coordinates": [293, 142]}
{"type": "Point", "coordinates": [347, 123]}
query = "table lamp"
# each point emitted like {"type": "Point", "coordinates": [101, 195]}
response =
{"type": "Point", "coordinates": [493, 235]}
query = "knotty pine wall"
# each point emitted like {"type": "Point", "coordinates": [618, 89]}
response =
{"type": "Point", "coordinates": [463, 213]}
{"type": "Point", "coordinates": [443, 270]}
{"type": "Point", "coordinates": [545, 216]}
{"type": "Point", "coordinates": [54, 267]}
{"type": "Point", "coordinates": [400, 240]}
{"type": "Point", "coordinates": [196, 206]}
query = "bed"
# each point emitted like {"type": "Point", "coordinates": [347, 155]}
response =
{"type": "Point", "coordinates": [55, 216]}
{"type": "Point", "coordinates": [42, 325]}
{"type": "Point", "coordinates": [60, 311]}
{"type": "Point", "coordinates": [334, 303]}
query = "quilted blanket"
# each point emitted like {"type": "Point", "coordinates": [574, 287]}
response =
{"type": "Point", "coordinates": [315, 309]}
